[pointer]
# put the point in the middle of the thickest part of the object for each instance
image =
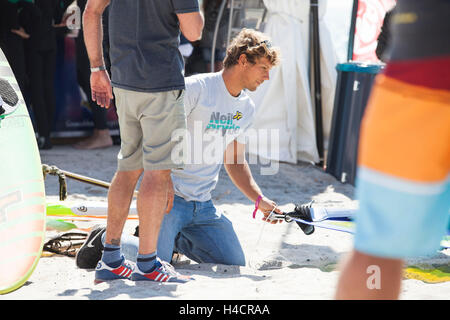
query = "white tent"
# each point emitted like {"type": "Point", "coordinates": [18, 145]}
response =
{"type": "Point", "coordinates": [284, 103]}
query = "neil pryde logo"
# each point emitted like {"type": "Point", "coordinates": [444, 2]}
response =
{"type": "Point", "coordinates": [82, 209]}
{"type": "Point", "coordinates": [224, 121]}
{"type": "Point", "coordinates": [238, 115]}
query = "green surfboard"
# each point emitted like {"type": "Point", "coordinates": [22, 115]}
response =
{"type": "Point", "coordinates": [22, 192]}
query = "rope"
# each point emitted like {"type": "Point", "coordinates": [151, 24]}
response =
{"type": "Point", "coordinates": [253, 263]}
{"type": "Point", "coordinates": [67, 244]}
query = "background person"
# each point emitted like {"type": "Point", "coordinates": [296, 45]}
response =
{"type": "Point", "coordinates": [100, 137]}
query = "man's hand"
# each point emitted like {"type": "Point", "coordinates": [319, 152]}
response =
{"type": "Point", "coordinates": [170, 196]}
{"type": "Point", "coordinates": [21, 33]}
{"type": "Point", "coordinates": [101, 89]}
{"type": "Point", "coordinates": [266, 206]}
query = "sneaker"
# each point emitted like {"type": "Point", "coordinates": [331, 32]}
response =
{"type": "Point", "coordinates": [91, 252]}
{"type": "Point", "coordinates": [163, 272]}
{"type": "Point", "coordinates": [103, 272]}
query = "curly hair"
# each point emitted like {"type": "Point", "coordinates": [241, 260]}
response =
{"type": "Point", "coordinates": [254, 45]}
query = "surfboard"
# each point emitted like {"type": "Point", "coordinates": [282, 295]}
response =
{"type": "Point", "coordinates": [84, 210]}
{"type": "Point", "coordinates": [22, 190]}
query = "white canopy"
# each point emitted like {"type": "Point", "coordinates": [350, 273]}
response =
{"type": "Point", "coordinates": [284, 103]}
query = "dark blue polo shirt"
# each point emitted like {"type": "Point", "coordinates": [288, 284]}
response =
{"type": "Point", "coordinates": [144, 40]}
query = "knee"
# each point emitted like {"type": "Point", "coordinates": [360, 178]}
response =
{"type": "Point", "coordinates": [157, 174]}
{"type": "Point", "coordinates": [127, 178]}
{"type": "Point", "coordinates": [128, 175]}
{"type": "Point", "coordinates": [154, 184]}
{"type": "Point", "coordinates": [234, 258]}
{"type": "Point", "coordinates": [156, 178]}
{"type": "Point", "coordinates": [237, 260]}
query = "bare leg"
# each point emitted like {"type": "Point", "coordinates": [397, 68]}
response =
{"type": "Point", "coordinates": [151, 204]}
{"type": "Point", "coordinates": [120, 195]}
{"type": "Point", "coordinates": [99, 139]}
{"type": "Point", "coordinates": [368, 277]}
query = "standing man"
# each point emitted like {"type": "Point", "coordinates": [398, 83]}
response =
{"type": "Point", "coordinates": [100, 137]}
{"type": "Point", "coordinates": [147, 76]}
{"type": "Point", "coordinates": [40, 19]}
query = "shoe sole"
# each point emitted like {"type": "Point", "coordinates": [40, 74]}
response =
{"type": "Point", "coordinates": [88, 240]}
{"type": "Point", "coordinates": [140, 277]}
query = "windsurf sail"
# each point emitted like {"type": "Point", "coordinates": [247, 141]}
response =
{"type": "Point", "coordinates": [337, 219]}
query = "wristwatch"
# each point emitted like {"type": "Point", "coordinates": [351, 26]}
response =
{"type": "Point", "coordinates": [101, 68]}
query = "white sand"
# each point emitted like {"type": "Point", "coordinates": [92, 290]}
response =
{"type": "Point", "coordinates": [282, 262]}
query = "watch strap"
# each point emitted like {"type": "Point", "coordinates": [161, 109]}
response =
{"type": "Point", "coordinates": [101, 68]}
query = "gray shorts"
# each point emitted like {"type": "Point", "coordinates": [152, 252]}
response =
{"type": "Point", "coordinates": [146, 122]}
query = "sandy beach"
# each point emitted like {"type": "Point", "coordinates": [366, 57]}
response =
{"type": "Point", "coordinates": [282, 262]}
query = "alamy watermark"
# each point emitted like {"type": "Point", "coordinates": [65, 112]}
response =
{"type": "Point", "coordinates": [72, 17]}
{"type": "Point", "coordinates": [199, 146]}
{"type": "Point", "coordinates": [374, 280]}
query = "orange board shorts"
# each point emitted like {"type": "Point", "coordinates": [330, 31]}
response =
{"type": "Point", "coordinates": [403, 176]}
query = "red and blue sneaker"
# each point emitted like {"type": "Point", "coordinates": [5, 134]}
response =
{"type": "Point", "coordinates": [103, 272]}
{"type": "Point", "coordinates": [162, 272]}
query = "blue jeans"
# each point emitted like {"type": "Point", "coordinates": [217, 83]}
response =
{"type": "Point", "coordinates": [195, 229]}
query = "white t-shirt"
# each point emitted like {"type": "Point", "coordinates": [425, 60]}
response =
{"type": "Point", "coordinates": [214, 119]}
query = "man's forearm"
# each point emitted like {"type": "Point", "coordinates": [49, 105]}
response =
{"type": "Point", "coordinates": [93, 34]}
{"type": "Point", "coordinates": [242, 178]}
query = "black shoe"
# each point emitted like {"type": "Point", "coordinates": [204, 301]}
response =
{"type": "Point", "coordinates": [91, 252]}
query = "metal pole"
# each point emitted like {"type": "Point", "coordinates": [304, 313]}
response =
{"type": "Point", "coordinates": [351, 38]}
{"type": "Point", "coordinates": [89, 180]}
{"type": "Point", "coordinates": [230, 22]}
{"type": "Point", "coordinates": [53, 170]}
{"type": "Point", "coordinates": [216, 30]}
{"type": "Point", "coordinates": [317, 78]}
